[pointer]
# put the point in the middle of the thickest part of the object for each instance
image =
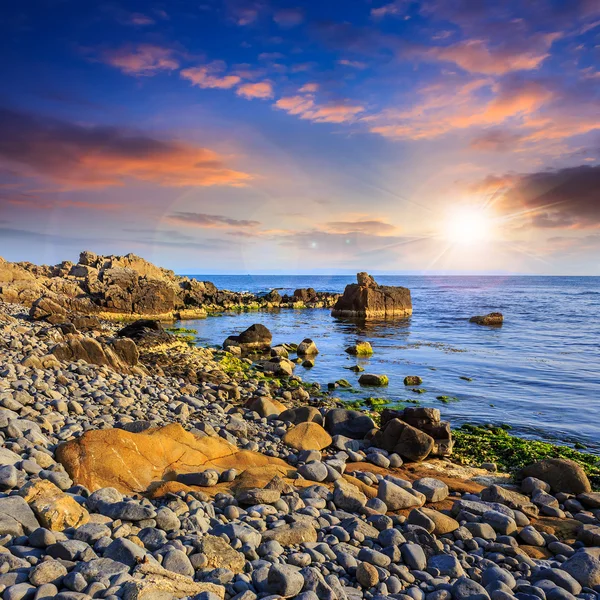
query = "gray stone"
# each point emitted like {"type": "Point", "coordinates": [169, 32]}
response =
{"type": "Point", "coordinates": [395, 497]}
{"type": "Point", "coordinates": [446, 564]}
{"type": "Point", "coordinates": [48, 571]}
{"type": "Point", "coordinates": [285, 580]}
{"type": "Point", "coordinates": [178, 562]}
{"type": "Point", "coordinates": [126, 552]}
{"type": "Point", "coordinates": [413, 556]}
{"type": "Point", "coordinates": [433, 489]}
{"type": "Point", "coordinates": [313, 471]}
{"type": "Point", "coordinates": [467, 589]}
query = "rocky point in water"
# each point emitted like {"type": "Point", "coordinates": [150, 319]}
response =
{"type": "Point", "coordinates": [367, 299]}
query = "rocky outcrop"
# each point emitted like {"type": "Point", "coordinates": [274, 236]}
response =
{"type": "Point", "coordinates": [117, 286]}
{"type": "Point", "coordinates": [121, 354]}
{"type": "Point", "coordinates": [256, 338]}
{"type": "Point", "coordinates": [562, 475]}
{"type": "Point", "coordinates": [414, 433]}
{"type": "Point", "coordinates": [492, 320]}
{"type": "Point", "coordinates": [131, 462]}
{"type": "Point", "coordinates": [146, 332]}
{"type": "Point", "coordinates": [366, 299]}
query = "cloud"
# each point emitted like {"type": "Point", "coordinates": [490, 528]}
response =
{"type": "Point", "coordinates": [38, 203]}
{"type": "Point", "coordinates": [207, 76]}
{"type": "Point", "coordinates": [143, 59]}
{"type": "Point", "coordinates": [373, 227]}
{"type": "Point", "coordinates": [245, 12]}
{"type": "Point", "coordinates": [355, 64]}
{"type": "Point", "coordinates": [496, 140]}
{"type": "Point", "coordinates": [261, 89]}
{"type": "Point", "coordinates": [306, 108]}
{"type": "Point", "coordinates": [394, 9]}
{"type": "Point", "coordinates": [140, 19]}
{"type": "Point", "coordinates": [192, 219]}
{"type": "Point", "coordinates": [477, 56]}
{"type": "Point", "coordinates": [288, 17]}
{"type": "Point", "coordinates": [95, 157]}
{"type": "Point", "coordinates": [309, 88]}
{"type": "Point", "coordinates": [557, 198]}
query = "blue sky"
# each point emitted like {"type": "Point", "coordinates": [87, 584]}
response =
{"type": "Point", "coordinates": [253, 136]}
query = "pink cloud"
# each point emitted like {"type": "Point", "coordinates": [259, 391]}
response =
{"type": "Point", "coordinates": [143, 59]}
{"type": "Point", "coordinates": [207, 77]}
{"type": "Point", "coordinates": [288, 17]}
{"type": "Point", "coordinates": [356, 64]}
{"type": "Point", "coordinates": [306, 108]}
{"type": "Point", "coordinates": [392, 9]}
{"type": "Point", "coordinates": [261, 89]}
{"type": "Point", "coordinates": [309, 88]}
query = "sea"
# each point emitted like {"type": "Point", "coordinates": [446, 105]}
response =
{"type": "Point", "coordinates": [539, 372]}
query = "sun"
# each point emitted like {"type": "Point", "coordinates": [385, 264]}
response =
{"type": "Point", "coordinates": [468, 226]}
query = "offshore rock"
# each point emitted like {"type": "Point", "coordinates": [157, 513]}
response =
{"type": "Point", "coordinates": [256, 338]}
{"type": "Point", "coordinates": [493, 319]}
{"type": "Point", "coordinates": [366, 299]}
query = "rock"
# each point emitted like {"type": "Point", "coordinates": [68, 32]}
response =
{"type": "Point", "coordinates": [446, 564]}
{"type": "Point", "coordinates": [126, 552]}
{"type": "Point", "coordinates": [413, 380]}
{"type": "Point", "coordinates": [584, 567]}
{"type": "Point", "coordinates": [307, 436]}
{"type": "Point", "coordinates": [207, 478]}
{"type": "Point", "coordinates": [49, 571]}
{"type": "Point", "coordinates": [495, 493]}
{"type": "Point", "coordinates": [349, 423]}
{"type": "Point", "coordinates": [178, 562]}
{"type": "Point", "coordinates": [120, 353]}
{"type": "Point", "coordinates": [9, 477]}
{"type": "Point", "coordinates": [360, 349]}
{"type": "Point", "coordinates": [220, 554]}
{"type": "Point", "coordinates": [492, 319]}
{"type": "Point", "coordinates": [285, 580]}
{"type": "Point", "coordinates": [409, 442]}
{"type": "Point", "coordinates": [256, 338]}
{"type": "Point", "coordinates": [139, 459]}
{"type": "Point", "coordinates": [433, 489]}
{"type": "Point", "coordinates": [145, 332]}
{"type": "Point", "coordinates": [467, 589]}
{"type": "Point", "coordinates": [414, 556]}
{"type": "Point", "coordinates": [291, 535]}
{"type": "Point", "coordinates": [367, 575]}
{"type": "Point", "coordinates": [266, 407]}
{"type": "Point", "coordinates": [590, 499]}
{"type": "Point", "coordinates": [307, 348]}
{"type": "Point", "coordinates": [367, 299]}
{"type": "Point", "coordinates": [54, 509]}
{"type": "Point", "coordinates": [16, 516]}
{"type": "Point", "coordinates": [395, 497]}
{"type": "Point", "coordinates": [561, 474]}
{"type": "Point", "coordinates": [255, 496]}
{"type": "Point", "coordinates": [348, 497]}
{"type": "Point", "coordinates": [303, 414]}
{"type": "Point", "coordinates": [443, 523]}
{"type": "Point", "coordinates": [374, 380]}
{"type": "Point", "coordinates": [313, 471]}
{"type": "Point", "coordinates": [152, 582]}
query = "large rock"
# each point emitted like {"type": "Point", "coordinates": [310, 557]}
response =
{"type": "Point", "coordinates": [349, 423]}
{"type": "Point", "coordinates": [302, 414]}
{"type": "Point", "coordinates": [561, 474]}
{"type": "Point", "coordinates": [54, 509]}
{"type": "Point", "coordinates": [307, 436]}
{"type": "Point", "coordinates": [584, 567]}
{"type": "Point", "coordinates": [220, 555]}
{"type": "Point", "coordinates": [131, 462]}
{"type": "Point", "coordinates": [145, 332]}
{"type": "Point", "coordinates": [256, 338]}
{"type": "Point", "coordinates": [367, 299]}
{"type": "Point", "coordinates": [493, 319]}
{"type": "Point", "coordinates": [119, 353]}
{"type": "Point", "coordinates": [409, 442]}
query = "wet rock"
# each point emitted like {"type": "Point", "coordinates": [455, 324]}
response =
{"type": "Point", "coordinates": [561, 474]}
{"type": "Point", "coordinates": [256, 338]}
{"type": "Point", "coordinates": [307, 348]}
{"type": "Point", "coordinates": [492, 319]}
{"type": "Point", "coordinates": [371, 379]}
{"type": "Point", "coordinates": [349, 423]}
{"type": "Point", "coordinates": [360, 349]}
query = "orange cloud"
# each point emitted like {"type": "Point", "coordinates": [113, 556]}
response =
{"type": "Point", "coordinates": [476, 56]}
{"type": "Point", "coordinates": [143, 59]}
{"type": "Point", "coordinates": [95, 157]}
{"type": "Point", "coordinates": [372, 227]}
{"type": "Point", "coordinates": [261, 89]}
{"type": "Point", "coordinates": [206, 77]}
{"type": "Point", "coordinates": [309, 88]}
{"type": "Point", "coordinates": [204, 220]}
{"type": "Point", "coordinates": [306, 108]}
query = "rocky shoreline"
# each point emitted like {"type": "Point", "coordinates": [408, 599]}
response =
{"type": "Point", "coordinates": [137, 466]}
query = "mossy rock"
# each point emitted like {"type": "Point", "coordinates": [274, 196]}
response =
{"type": "Point", "coordinates": [413, 380]}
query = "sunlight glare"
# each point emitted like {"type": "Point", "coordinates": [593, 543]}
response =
{"type": "Point", "coordinates": [468, 226]}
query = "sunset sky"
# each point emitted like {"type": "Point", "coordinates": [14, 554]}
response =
{"type": "Point", "coordinates": [264, 136]}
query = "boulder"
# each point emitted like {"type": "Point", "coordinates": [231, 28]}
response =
{"type": "Point", "coordinates": [349, 423]}
{"type": "Point", "coordinates": [46, 309]}
{"type": "Point", "coordinates": [305, 295]}
{"type": "Point", "coordinates": [119, 353]}
{"type": "Point", "coordinates": [291, 535]}
{"type": "Point", "coordinates": [302, 414]}
{"type": "Point", "coordinates": [367, 299]}
{"type": "Point", "coordinates": [136, 460]}
{"type": "Point", "coordinates": [401, 438]}
{"type": "Point", "coordinates": [561, 474]}
{"type": "Point", "coordinates": [360, 349]}
{"type": "Point", "coordinates": [371, 379]}
{"type": "Point", "coordinates": [145, 332]}
{"type": "Point", "coordinates": [307, 348]}
{"type": "Point", "coordinates": [256, 338]}
{"type": "Point", "coordinates": [584, 567]}
{"type": "Point", "coordinates": [220, 554]}
{"type": "Point", "coordinates": [493, 319]}
{"type": "Point", "coordinates": [396, 497]}
{"type": "Point", "coordinates": [307, 436]}
{"type": "Point", "coordinates": [54, 509]}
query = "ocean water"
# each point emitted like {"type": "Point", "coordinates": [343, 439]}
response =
{"type": "Point", "coordinates": [539, 372]}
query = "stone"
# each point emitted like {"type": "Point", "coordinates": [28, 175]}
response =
{"type": "Point", "coordinates": [302, 414]}
{"type": "Point", "coordinates": [16, 516]}
{"type": "Point", "coordinates": [220, 554]}
{"type": "Point", "coordinates": [266, 407]}
{"type": "Point", "coordinates": [443, 523]}
{"type": "Point", "coordinates": [126, 552]}
{"type": "Point", "coordinates": [491, 319]}
{"type": "Point", "coordinates": [307, 436]}
{"type": "Point", "coordinates": [371, 379]}
{"type": "Point", "coordinates": [291, 535]}
{"type": "Point", "coordinates": [307, 348]}
{"type": "Point", "coordinates": [178, 562]}
{"type": "Point", "coordinates": [119, 353]}
{"type": "Point", "coordinates": [531, 536]}
{"type": "Point", "coordinates": [467, 589]}
{"type": "Point", "coordinates": [395, 497]}
{"type": "Point", "coordinates": [54, 509]}
{"type": "Point", "coordinates": [367, 299]}
{"type": "Point", "coordinates": [360, 349]}
{"type": "Point", "coordinates": [138, 459]}
{"type": "Point", "coordinates": [313, 471]}
{"type": "Point", "coordinates": [348, 497]}
{"type": "Point", "coordinates": [498, 494]}
{"type": "Point", "coordinates": [9, 477]}
{"type": "Point", "coordinates": [561, 474]}
{"type": "Point", "coordinates": [433, 489]}
{"type": "Point", "coordinates": [409, 442]}
{"type": "Point", "coordinates": [446, 564]}
{"type": "Point", "coordinates": [367, 575]}
{"type": "Point", "coordinates": [285, 580]}
{"type": "Point", "coordinates": [48, 571]}
{"type": "Point", "coordinates": [256, 338]}
{"type": "Point", "coordinates": [413, 556]}
{"type": "Point", "coordinates": [412, 380]}
{"type": "Point", "coordinates": [348, 423]}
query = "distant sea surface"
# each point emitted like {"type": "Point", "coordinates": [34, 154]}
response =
{"type": "Point", "coordinates": [539, 372]}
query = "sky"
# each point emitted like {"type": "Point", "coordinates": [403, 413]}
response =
{"type": "Point", "coordinates": [263, 136]}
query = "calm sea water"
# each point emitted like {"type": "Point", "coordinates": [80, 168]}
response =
{"type": "Point", "coordinates": [539, 372]}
